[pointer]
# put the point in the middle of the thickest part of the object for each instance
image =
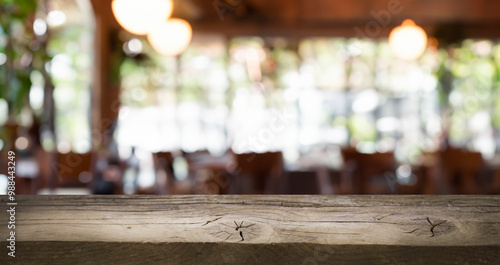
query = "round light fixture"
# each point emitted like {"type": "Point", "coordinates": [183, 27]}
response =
{"type": "Point", "coordinates": [408, 41]}
{"type": "Point", "coordinates": [171, 37]}
{"type": "Point", "coordinates": [140, 17]}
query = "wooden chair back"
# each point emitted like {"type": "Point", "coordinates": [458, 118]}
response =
{"type": "Point", "coordinates": [368, 173]}
{"type": "Point", "coordinates": [461, 171]}
{"type": "Point", "coordinates": [72, 170]}
{"type": "Point", "coordinates": [259, 172]}
{"type": "Point", "coordinates": [164, 161]}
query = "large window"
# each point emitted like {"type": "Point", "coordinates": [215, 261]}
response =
{"type": "Point", "coordinates": [237, 93]}
{"type": "Point", "coordinates": [71, 26]}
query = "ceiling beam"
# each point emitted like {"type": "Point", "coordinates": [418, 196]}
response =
{"type": "Point", "coordinates": [371, 18]}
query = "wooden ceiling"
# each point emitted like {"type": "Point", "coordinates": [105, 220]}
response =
{"type": "Point", "coordinates": [474, 18]}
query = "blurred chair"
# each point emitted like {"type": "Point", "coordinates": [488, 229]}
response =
{"type": "Point", "coordinates": [196, 156]}
{"type": "Point", "coordinates": [107, 174]}
{"type": "Point", "coordinates": [212, 181]}
{"type": "Point", "coordinates": [349, 170]}
{"type": "Point", "coordinates": [259, 173]}
{"type": "Point", "coordinates": [164, 168]}
{"type": "Point", "coordinates": [165, 161]}
{"type": "Point", "coordinates": [210, 174]}
{"type": "Point", "coordinates": [368, 173]}
{"type": "Point", "coordinates": [44, 160]}
{"type": "Point", "coordinates": [302, 182]}
{"type": "Point", "coordinates": [419, 181]}
{"type": "Point", "coordinates": [495, 181]}
{"type": "Point", "coordinates": [426, 170]}
{"type": "Point", "coordinates": [461, 171]}
{"type": "Point", "coordinates": [193, 159]}
{"type": "Point", "coordinates": [71, 170]}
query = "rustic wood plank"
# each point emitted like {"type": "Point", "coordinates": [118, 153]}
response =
{"type": "Point", "coordinates": [255, 230]}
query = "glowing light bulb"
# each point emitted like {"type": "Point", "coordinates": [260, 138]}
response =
{"type": "Point", "coordinates": [171, 37]}
{"type": "Point", "coordinates": [141, 16]}
{"type": "Point", "coordinates": [408, 41]}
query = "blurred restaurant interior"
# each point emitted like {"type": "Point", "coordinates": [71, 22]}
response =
{"type": "Point", "coordinates": [250, 96]}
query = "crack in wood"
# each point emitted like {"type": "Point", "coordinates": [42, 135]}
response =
{"type": "Point", "coordinates": [378, 218]}
{"type": "Point", "coordinates": [434, 225]}
{"type": "Point", "coordinates": [241, 225]}
{"type": "Point", "coordinates": [211, 221]}
{"type": "Point", "coordinates": [234, 230]}
{"type": "Point", "coordinates": [220, 233]}
{"type": "Point", "coordinates": [412, 231]}
{"type": "Point", "coordinates": [437, 227]}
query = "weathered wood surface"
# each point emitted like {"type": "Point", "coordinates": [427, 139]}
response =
{"type": "Point", "coordinates": [254, 230]}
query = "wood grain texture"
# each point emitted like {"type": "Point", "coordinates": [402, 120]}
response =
{"type": "Point", "coordinates": [254, 230]}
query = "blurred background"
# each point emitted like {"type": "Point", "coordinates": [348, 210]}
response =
{"type": "Point", "coordinates": [250, 96]}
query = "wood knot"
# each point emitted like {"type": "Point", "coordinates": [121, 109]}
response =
{"type": "Point", "coordinates": [235, 231]}
{"type": "Point", "coordinates": [431, 227]}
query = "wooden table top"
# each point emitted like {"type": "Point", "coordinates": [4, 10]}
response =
{"type": "Point", "coordinates": [243, 229]}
